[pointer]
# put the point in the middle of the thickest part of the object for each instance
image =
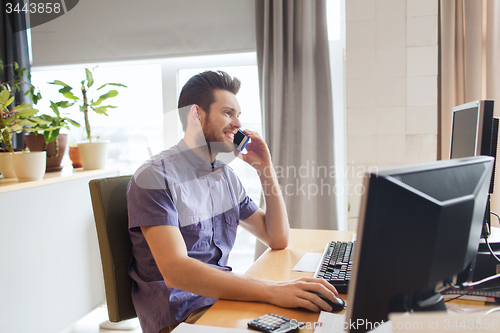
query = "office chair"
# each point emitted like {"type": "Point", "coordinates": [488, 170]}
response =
{"type": "Point", "coordinates": [109, 202]}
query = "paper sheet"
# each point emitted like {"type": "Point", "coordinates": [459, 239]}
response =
{"type": "Point", "coordinates": [189, 328]}
{"type": "Point", "coordinates": [308, 263]}
{"type": "Point", "coordinates": [330, 323]}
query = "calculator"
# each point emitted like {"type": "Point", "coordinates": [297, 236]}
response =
{"type": "Point", "coordinates": [274, 323]}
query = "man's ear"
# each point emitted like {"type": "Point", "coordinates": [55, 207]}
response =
{"type": "Point", "coordinates": [194, 112]}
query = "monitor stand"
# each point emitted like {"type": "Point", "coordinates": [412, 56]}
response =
{"type": "Point", "coordinates": [424, 300]}
{"type": "Point", "coordinates": [432, 303]}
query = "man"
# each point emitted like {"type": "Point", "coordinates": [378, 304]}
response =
{"type": "Point", "coordinates": [185, 206]}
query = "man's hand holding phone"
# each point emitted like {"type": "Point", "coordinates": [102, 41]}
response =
{"type": "Point", "coordinates": [257, 155]}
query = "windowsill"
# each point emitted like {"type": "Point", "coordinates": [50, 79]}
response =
{"type": "Point", "coordinates": [67, 173]}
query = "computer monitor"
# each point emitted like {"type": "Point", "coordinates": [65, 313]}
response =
{"type": "Point", "coordinates": [419, 225]}
{"type": "Point", "coordinates": [474, 131]}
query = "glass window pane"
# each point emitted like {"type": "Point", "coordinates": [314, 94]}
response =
{"type": "Point", "coordinates": [333, 19]}
{"type": "Point", "coordinates": [136, 123]}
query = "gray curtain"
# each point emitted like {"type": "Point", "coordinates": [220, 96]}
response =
{"type": "Point", "coordinates": [296, 100]}
{"type": "Point", "coordinates": [14, 48]}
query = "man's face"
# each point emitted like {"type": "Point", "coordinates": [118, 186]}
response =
{"type": "Point", "coordinates": [222, 122]}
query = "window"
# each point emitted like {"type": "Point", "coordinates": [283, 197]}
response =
{"type": "Point", "coordinates": [336, 36]}
{"type": "Point", "coordinates": [132, 127]}
{"type": "Point", "coordinates": [145, 116]}
{"type": "Point", "coordinates": [333, 19]}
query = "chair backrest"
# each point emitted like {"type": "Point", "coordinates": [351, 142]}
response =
{"type": "Point", "coordinates": [109, 202]}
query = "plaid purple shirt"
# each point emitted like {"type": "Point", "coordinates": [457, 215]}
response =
{"type": "Point", "coordinates": [177, 187]}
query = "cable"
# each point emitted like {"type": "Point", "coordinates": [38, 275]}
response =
{"type": "Point", "coordinates": [473, 284]}
{"type": "Point", "coordinates": [492, 310]}
{"type": "Point", "coordinates": [470, 285]}
{"type": "Point", "coordinates": [491, 250]}
{"type": "Point", "coordinates": [452, 299]}
{"type": "Point", "coordinates": [487, 233]}
{"type": "Point", "coordinates": [498, 216]}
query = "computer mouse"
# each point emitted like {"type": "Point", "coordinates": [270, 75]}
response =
{"type": "Point", "coordinates": [337, 306]}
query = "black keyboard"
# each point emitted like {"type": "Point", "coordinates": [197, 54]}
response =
{"type": "Point", "coordinates": [336, 265]}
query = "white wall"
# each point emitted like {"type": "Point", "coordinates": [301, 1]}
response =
{"type": "Point", "coordinates": [391, 74]}
{"type": "Point", "coordinates": [116, 30]}
{"type": "Point", "coordinates": [51, 272]}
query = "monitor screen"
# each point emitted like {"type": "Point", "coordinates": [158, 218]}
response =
{"type": "Point", "coordinates": [474, 131]}
{"type": "Point", "coordinates": [465, 133]}
{"type": "Point", "coordinates": [419, 226]}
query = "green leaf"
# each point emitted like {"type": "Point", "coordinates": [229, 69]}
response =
{"type": "Point", "coordinates": [16, 128]}
{"type": "Point", "coordinates": [109, 94]}
{"type": "Point", "coordinates": [23, 111]}
{"type": "Point", "coordinates": [8, 102]}
{"type": "Point", "coordinates": [112, 84]}
{"type": "Point", "coordinates": [43, 120]}
{"type": "Point", "coordinates": [50, 136]}
{"type": "Point", "coordinates": [90, 78]}
{"type": "Point", "coordinates": [55, 108]}
{"type": "Point", "coordinates": [58, 82]}
{"type": "Point", "coordinates": [101, 110]}
{"type": "Point", "coordinates": [66, 91]}
{"type": "Point", "coordinates": [73, 122]}
{"type": "Point", "coordinates": [4, 96]}
{"type": "Point", "coordinates": [64, 104]}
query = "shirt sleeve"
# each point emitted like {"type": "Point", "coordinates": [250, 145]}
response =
{"type": "Point", "coordinates": [247, 208]}
{"type": "Point", "coordinates": [149, 201]}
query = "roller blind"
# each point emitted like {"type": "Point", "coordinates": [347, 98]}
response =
{"type": "Point", "coordinates": [114, 30]}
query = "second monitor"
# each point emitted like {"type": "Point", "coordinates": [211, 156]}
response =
{"type": "Point", "coordinates": [419, 225]}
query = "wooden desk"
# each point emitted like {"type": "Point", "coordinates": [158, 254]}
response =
{"type": "Point", "coordinates": [276, 266]}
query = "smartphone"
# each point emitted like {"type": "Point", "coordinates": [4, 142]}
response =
{"type": "Point", "coordinates": [240, 140]}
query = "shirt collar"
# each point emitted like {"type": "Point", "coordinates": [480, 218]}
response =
{"type": "Point", "coordinates": [202, 167]}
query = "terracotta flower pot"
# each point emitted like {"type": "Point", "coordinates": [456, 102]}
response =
{"type": "Point", "coordinates": [75, 157]}
{"type": "Point", "coordinates": [37, 143]}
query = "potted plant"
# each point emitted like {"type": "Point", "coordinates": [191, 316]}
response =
{"type": "Point", "coordinates": [14, 117]}
{"type": "Point", "coordinates": [51, 141]}
{"type": "Point", "coordinates": [93, 152]}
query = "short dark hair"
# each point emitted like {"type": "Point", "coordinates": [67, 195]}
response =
{"type": "Point", "coordinates": [200, 89]}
